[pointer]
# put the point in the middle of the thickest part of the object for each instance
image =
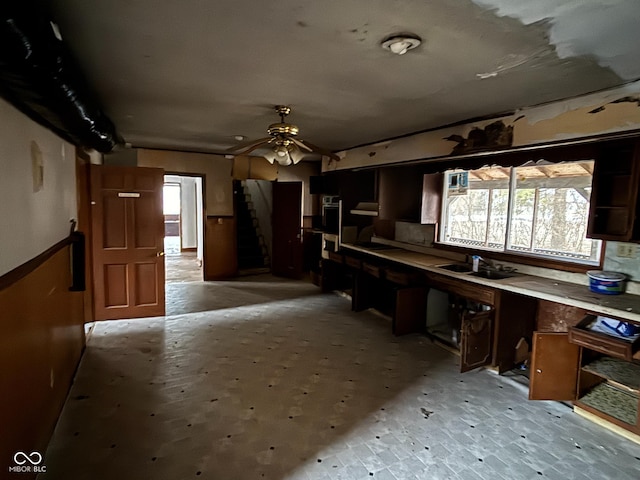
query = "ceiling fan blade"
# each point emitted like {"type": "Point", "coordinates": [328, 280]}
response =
{"type": "Point", "coordinates": [300, 144]}
{"type": "Point", "coordinates": [248, 146]}
{"type": "Point", "coordinates": [322, 151]}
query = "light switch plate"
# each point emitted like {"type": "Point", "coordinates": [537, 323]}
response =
{"type": "Point", "coordinates": [626, 250]}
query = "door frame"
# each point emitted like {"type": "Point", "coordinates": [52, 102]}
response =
{"type": "Point", "coordinates": [203, 223]}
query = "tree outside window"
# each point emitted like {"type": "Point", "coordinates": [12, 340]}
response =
{"type": "Point", "coordinates": [538, 209]}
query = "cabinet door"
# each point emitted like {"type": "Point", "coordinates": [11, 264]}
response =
{"type": "Point", "coordinates": [410, 312]}
{"type": "Point", "coordinates": [555, 365]}
{"type": "Point", "coordinates": [431, 198]}
{"type": "Point", "coordinates": [614, 199]}
{"type": "Point", "coordinates": [331, 275]}
{"type": "Point", "coordinates": [476, 334]}
{"type": "Point", "coordinates": [363, 291]}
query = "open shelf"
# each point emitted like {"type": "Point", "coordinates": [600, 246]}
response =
{"type": "Point", "coordinates": [624, 375]}
{"type": "Point", "coordinates": [614, 402]}
{"type": "Point", "coordinates": [614, 346]}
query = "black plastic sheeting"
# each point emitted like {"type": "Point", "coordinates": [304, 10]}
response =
{"type": "Point", "coordinates": [39, 76]}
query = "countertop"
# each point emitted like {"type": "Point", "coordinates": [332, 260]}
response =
{"type": "Point", "coordinates": [625, 306]}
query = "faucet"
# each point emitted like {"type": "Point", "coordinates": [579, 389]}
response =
{"type": "Point", "coordinates": [488, 262]}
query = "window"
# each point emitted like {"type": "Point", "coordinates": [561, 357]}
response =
{"type": "Point", "coordinates": [537, 209]}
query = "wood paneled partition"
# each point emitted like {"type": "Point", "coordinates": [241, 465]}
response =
{"type": "Point", "coordinates": [41, 341]}
{"type": "Point", "coordinates": [221, 251]}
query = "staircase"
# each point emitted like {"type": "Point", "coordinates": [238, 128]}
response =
{"type": "Point", "coordinates": [253, 257]}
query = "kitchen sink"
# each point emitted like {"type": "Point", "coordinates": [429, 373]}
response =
{"type": "Point", "coordinates": [456, 267]}
{"type": "Point", "coordinates": [493, 274]}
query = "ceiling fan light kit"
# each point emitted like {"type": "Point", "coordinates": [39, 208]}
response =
{"type": "Point", "coordinates": [285, 149]}
{"type": "Point", "coordinates": [401, 43]}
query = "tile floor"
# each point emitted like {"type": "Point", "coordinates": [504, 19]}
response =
{"type": "Point", "coordinates": [269, 379]}
{"type": "Point", "coordinates": [182, 267]}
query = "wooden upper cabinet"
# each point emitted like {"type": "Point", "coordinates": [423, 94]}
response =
{"type": "Point", "coordinates": [431, 198]}
{"type": "Point", "coordinates": [399, 193]}
{"type": "Point", "coordinates": [614, 199]}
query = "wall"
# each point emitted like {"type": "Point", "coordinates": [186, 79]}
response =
{"type": "Point", "coordinates": [215, 168]}
{"type": "Point", "coordinates": [32, 221]}
{"type": "Point", "coordinates": [41, 341]}
{"type": "Point", "coordinates": [257, 168]}
{"type": "Point", "coordinates": [609, 112]}
{"type": "Point", "coordinates": [616, 111]}
{"type": "Point", "coordinates": [41, 322]}
{"type": "Point", "coordinates": [221, 250]}
{"type": "Point", "coordinates": [626, 265]}
{"type": "Point", "coordinates": [189, 217]}
{"type": "Point", "coordinates": [219, 234]}
{"type": "Point", "coordinates": [122, 157]}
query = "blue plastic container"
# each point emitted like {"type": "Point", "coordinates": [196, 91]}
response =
{"type": "Point", "coordinates": [607, 283]}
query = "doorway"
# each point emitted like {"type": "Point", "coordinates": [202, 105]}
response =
{"type": "Point", "coordinates": [183, 228]}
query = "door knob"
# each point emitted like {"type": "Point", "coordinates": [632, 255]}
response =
{"type": "Point", "coordinates": [160, 254]}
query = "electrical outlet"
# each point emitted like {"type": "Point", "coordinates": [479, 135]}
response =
{"type": "Point", "coordinates": [626, 250]}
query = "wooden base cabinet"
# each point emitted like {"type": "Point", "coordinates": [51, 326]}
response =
{"type": "Point", "coordinates": [476, 338]}
{"type": "Point", "coordinates": [490, 322]}
{"type": "Point", "coordinates": [554, 367]}
{"type": "Point", "coordinates": [598, 372]}
{"type": "Point", "coordinates": [409, 307]}
{"type": "Point", "coordinates": [459, 318]}
{"type": "Point", "coordinates": [398, 294]}
{"type": "Point", "coordinates": [610, 389]}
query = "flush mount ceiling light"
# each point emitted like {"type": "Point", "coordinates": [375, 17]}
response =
{"type": "Point", "coordinates": [401, 43]}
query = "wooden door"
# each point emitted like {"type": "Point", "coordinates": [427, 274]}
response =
{"type": "Point", "coordinates": [128, 241]}
{"type": "Point", "coordinates": [476, 335]}
{"type": "Point", "coordinates": [410, 310]}
{"type": "Point", "coordinates": [287, 229]}
{"type": "Point", "coordinates": [554, 367]}
{"type": "Point", "coordinates": [431, 198]}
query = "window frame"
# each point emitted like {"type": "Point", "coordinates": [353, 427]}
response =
{"type": "Point", "coordinates": [510, 254]}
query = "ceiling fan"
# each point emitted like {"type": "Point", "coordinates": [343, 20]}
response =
{"type": "Point", "coordinates": [284, 148]}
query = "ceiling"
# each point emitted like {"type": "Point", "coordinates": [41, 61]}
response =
{"type": "Point", "coordinates": [193, 74]}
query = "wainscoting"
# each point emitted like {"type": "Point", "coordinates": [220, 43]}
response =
{"type": "Point", "coordinates": [41, 342]}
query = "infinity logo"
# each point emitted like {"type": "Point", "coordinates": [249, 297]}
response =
{"type": "Point", "coordinates": [21, 458]}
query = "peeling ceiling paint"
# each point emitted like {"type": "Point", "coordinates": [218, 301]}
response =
{"type": "Point", "coordinates": [609, 30]}
{"type": "Point", "coordinates": [191, 75]}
